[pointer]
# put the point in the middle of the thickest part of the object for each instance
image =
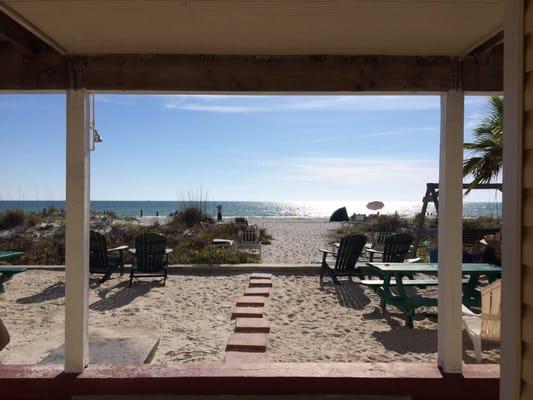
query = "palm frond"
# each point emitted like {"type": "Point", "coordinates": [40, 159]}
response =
{"type": "Point", "coordinates": [486, 151]}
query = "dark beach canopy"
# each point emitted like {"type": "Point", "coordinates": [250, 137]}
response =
{"type": "Point", "coordinates": [340, 215]}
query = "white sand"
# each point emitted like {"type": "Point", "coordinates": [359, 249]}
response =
{"type": "Point", "coordinates": [191, 315]}
{"type": "Point", "coordinates": [296, 241]}
{"type": "Point", "coordinates": [345, 324]}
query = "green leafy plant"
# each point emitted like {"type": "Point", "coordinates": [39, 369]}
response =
{"type": "Point", "coordinates": [486, 151]}
{"type": "Point", "coordinates": [12, 218]}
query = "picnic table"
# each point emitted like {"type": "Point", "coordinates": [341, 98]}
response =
{"type": "Point", "coordinates": [7, 271]}
{"type": "Point", "coordinates": [401, 275]}
{"type": "Point", "coordinates": [10, 255]}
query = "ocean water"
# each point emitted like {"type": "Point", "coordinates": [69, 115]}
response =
{"type": "Point", "coordinates": [309, 209]}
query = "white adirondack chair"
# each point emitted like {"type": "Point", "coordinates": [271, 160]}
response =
{"type": "Point", "coordinates": [248, 238]}
{"type": "Point", "coordinates": [486, 325]}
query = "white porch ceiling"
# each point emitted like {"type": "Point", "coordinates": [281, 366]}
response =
{"type": "Point", "coordinates": [261, 27]}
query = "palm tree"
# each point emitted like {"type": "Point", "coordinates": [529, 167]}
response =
{"type": "Point", "coordinates": [485, 161]}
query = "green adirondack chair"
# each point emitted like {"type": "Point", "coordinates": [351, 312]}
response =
{"type": "Point", "coordinates": [150, 256]}
{"type": "Point", "coordinates": [378, 239]}
{"type": "Point", "coordinates": [395, 248]}
{"type": "Point", "coordinates": [350, 249]}
{"type": "Point", "coordinates": [103, 260]}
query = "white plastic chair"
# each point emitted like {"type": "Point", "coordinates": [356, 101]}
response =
{"type": "Point", "coordinates": [486, 325]}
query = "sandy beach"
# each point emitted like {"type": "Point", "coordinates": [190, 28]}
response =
{"type": "Point", "coordinates": [191, 316]}
{"type": "Point", "coordinates": [296, 240]}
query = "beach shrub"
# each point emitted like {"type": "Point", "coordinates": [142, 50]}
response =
{"type": "Point", "coordinates": [11, 218]}
{"type": "Point", "coordinates": [191, 244]}
{"type": "Point", "coordinates": [265, 237]}
{"type": "Point", "coordinates": [33, 219]}
{"type": "Point", "coordinates": [482, 223]}
{"type": "Point", "coordinates": [214, 255]}
{"type": "Point", "coordinates": [387, 223]}
{"type": "Point", "coordinates": [37, 251]}
{"type": "Point", "coordinates": [222, 255]}
{"type": "Point", "coordinates": [191, 217]}
{"type": "Point", "coordinates": [111, 214]}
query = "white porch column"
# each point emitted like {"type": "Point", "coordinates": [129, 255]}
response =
{"type": "Point", "coordinates": [77, 233]}
{"type": "Point", "coordinates": [450, 231]}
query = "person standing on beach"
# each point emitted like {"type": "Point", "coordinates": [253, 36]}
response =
{"type": "Point", "coordinates": [219, 213]}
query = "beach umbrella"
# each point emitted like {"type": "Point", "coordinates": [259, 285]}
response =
{"type": "Point", "coordinates": [375, 205]}
{"type": "Point", "coordinates": [340, 215]}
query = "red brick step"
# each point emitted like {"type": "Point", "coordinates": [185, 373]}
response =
{"type": "Point", "coordinates": [252, 325]}
{"type": "Point", "coordinates": [249, 342]}
{"type": "Point", "coordinates": [260, 283]}
{"type": "Point", "coordinates": [257, 291]}
{"type": "Point", "coordinates": [247, 312]}
{"type": "Point", "coordinates": [247, 301]}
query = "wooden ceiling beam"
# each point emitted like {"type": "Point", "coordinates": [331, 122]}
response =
{"type": "Point", "coordinates": [249, 74]}
{"type": "Point", "coordinates": [14, 33]}
{"type": "Point", "coordinates": [487, 46]}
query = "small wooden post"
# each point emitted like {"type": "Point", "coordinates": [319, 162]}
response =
{"type": "Point", "coordinates": [450, 231]}
{"type": "Point", "coordinates": [77, 233]}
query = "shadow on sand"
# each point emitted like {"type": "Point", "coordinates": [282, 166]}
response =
{"type": "Point", "coordinates": [123, 296]}
{"type": "Point", "coordinates": [53, 292]}
{"type": "Point", "coordinates": [403, 340]}
{"type": "Point", "coordinates": [349, 294]}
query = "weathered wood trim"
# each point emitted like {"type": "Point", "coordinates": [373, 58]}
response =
{"type": "Point", "coordinates": [232, 74]}
{"type": "Point", "coordinates": [417, 381]}
{"type": "Point", "coordinates": [511, 343]}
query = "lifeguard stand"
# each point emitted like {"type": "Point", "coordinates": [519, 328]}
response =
{"type": "Point", "coordinates": [432, 195]}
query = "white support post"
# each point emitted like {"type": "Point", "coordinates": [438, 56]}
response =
{"type": "Point", "coordinates": [77, 233]}
{"type": "Point", "coordinates": [450, 231]}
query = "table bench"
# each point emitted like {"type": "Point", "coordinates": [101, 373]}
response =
{"type": "Point", "coordinates": [400, 275]}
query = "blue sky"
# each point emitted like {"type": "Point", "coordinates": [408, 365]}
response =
{"type": "Point", "coordinates": [234, 147]}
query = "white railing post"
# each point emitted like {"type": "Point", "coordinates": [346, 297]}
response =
{"type": "Point", "coordinates": [450, 231]}
{"type": "Point", "coordinates": [77, 233]}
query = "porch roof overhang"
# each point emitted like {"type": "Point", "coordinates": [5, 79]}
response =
{"type": "Point", "coordinates": [264, 27]}
{"type": "Point", "coordinates": [260, 46]}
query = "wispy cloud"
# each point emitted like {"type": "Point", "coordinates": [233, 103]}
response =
{"type": "Point", "coordinates": [357, 172]}
{"type": "Point", "coordinates": [217, 108]}
{"type": "Point", "coordinates": [122, 100]}
{"type": "Point", "coordinates": [257, 104]}
{"type": "Point", "coordinates": [422, 129]}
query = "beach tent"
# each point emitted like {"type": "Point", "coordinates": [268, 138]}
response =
{"type": "Point", "coordinates": [340, 215]}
